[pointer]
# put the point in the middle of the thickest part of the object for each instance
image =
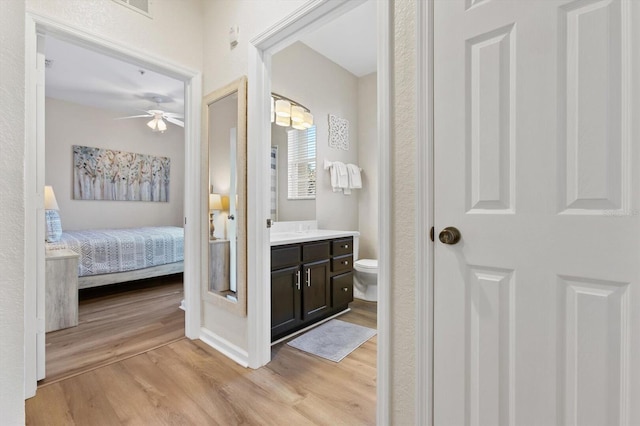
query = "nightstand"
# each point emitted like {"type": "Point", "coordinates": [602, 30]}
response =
{"type": "Point", "coordinates": [219, 265]}
{"type": "Point", "coordinates": [61, 283]}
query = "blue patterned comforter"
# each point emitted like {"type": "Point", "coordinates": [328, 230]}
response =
{"type": "Point", "coordinates": [103, 251]}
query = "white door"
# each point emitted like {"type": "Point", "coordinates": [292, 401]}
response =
{"type": "Point", "coordinates": [537, 307]}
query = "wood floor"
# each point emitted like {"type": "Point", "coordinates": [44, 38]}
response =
{"type": "Point", "coordinates": [188, 383]}
{"type": "Point", "coordinates": [116, 322]}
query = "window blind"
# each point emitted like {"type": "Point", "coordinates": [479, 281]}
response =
{"type": "Point", "coordinates": [301, 151]}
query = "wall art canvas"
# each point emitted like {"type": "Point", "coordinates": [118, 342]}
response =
{"type": "Point", "coordinates": [338, 132]}
{"type": "Point", "coordinates": [105, 174]}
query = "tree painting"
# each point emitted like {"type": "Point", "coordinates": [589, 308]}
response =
{"type": "Point", "coordinates": [105, 174]}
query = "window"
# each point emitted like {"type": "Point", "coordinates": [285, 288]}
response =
{"type": "Point", "coordinates": [301, 149]}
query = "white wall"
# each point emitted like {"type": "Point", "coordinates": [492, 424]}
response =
{"type": "Point", "coordinates": [12, 211]}
{"type": "Point", "coordinates": [368, 160]}
{"type": "Point", "coordinates": [403, 212]}
{"type": "Point", "coordinates": [68, 124]}
{"type": "Point", "coordinates": [174, 32]}
{"type": "Point", "coordinates": [300, 73]}
{"type": "Point", "coordinates": [222, 65]}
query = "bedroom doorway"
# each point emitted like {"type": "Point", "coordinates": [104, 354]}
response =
{"type": "Point", "coordinates": [181, 197]}
{"type": "Point", "coordinates": [116, 182]}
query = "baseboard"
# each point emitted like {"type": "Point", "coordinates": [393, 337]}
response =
{"type": "Point", "coordinates": [225, 347]}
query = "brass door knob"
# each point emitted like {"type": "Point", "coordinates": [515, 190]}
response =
{"type": "Point", "coordinates": [449, 235]}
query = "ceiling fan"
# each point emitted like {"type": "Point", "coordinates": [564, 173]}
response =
{"type": "Point", "coordinates": [158, 117]}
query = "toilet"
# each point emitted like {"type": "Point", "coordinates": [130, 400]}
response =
{"type": "Point", "coordinates": [365, 280]}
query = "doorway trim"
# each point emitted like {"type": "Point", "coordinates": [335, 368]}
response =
{"type": "Point", "coordinates": [312, 15]}
{"type": "Point", "coordinates": [38, 26]}
{"type": "Point", "coordinates": [424, 214]}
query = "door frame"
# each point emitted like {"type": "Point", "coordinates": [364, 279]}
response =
{"type": "Point", "coordinates": [313, 14]}
{"type": "Point", "coordinates": [38, 26]}
{"type": "Point", "coordinates": [425, 213]}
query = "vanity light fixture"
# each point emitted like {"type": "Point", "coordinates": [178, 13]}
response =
{"type": "Point", "coordinates": [286, 112]}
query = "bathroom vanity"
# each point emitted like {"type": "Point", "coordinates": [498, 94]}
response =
{"type": "Point", "coordinates": [311, 278]}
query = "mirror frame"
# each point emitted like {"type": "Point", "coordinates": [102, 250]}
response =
{"type": "Point", "coordinates": [238, 307]}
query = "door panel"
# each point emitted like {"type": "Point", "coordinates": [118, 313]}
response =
{"type": "Point", "coordinates": [537, 308]}
{"type": "Point", "coordinates": [285, 299]}
{"type": "Point", "coordinates": [316, 294]}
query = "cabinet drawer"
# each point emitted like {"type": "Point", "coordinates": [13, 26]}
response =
{"type": "Point", "coordinates": [281, 257]}
{"type": "Point", "coordinates": [315, 251]}
{"type": "Point", "coordinates": [342, 246]}
{"type": "Point", "coordinates": [342, 263]}
{"type": "Point", "coordinates": [342, 289]}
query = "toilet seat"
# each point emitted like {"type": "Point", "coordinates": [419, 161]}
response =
{"type": "Point", "coordinates": [368, 265]}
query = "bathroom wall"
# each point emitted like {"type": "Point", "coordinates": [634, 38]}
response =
{"type": "Point", "coordinates": [302, 74]}
{"type": "Point", "coordinates": [368, 160]}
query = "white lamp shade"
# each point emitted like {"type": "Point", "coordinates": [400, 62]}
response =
{"type": "Point", "coordinates": [50, 202]}
{"type": "Point", "coordinates": [308, 120]}
{"type": "Point", "coordinates": [283, 108]}
{"type": "Point", "coordinates": [152, 123]}
{"type": "Point", "coordinates": [297, 114]}
{"type": "Point", "coordinates": [282, 121]}
{"type": "Point", "coordinates": [215, 202]}
{"type": "Point", "coordinates": [298, 126]}
{"type": "Point", "coordinates": [162, 126]}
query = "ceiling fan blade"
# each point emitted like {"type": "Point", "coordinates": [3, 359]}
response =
{"type": "Point", "coordinates": [133, 116]}
{"type": "Point", "coordinates": [174, 121]}
{"type": "Point", "coordinates": [173, 115]}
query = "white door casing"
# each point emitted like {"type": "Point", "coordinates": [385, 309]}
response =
{"type": "Point", "coordinates": [537, 308]}
{"type": "Point", "coordinates": [38, 27]}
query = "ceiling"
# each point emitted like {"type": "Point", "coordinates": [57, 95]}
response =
{"type": "Point", "coordinates": [79, 75]}
{"type": "Point", "coordinates": [82, 76]}
{"type": "Point", "coordinates": [349, 40]}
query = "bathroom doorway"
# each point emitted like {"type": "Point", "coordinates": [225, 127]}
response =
{"type": "Point", "coordinates": [276, 52]}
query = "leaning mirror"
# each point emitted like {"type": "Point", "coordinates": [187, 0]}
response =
{"type": "Point", "coordinates": [224, 154]}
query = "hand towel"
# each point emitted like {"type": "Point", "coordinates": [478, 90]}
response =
{"type": "Point", "coordinates": [355, 180]}
{"type": "Point", "coordinates": [342, 175]}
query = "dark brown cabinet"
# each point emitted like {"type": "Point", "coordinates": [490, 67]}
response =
{"type": "Point", "coordinates": [309, 282]}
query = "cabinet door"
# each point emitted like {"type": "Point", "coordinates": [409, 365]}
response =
{"type": "Point", "coordinates": [285, 300]}
{"type": "Point", "coordinates": [316, 292]}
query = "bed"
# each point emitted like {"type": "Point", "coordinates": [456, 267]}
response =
{"type": "Point", "coordinates": [109, 256]}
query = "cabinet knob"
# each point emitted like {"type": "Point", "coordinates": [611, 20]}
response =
{"type": "Point", "coordinates": [345, 289]}
{"type": "Point", "coordinates": [346, 262]}
{"type": "Point", "coordinates": [346, 246]}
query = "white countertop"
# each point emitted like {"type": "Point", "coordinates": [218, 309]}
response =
{"type": "Point", "coordinates": [281, 238]}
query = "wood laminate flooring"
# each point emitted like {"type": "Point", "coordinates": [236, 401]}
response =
{"type": "Point", "coordinates": [115, 323]}
{"type": "Point", "coordinates": [188, 383]}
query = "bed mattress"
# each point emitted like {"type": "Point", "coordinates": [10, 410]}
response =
{"type": "Point", "coordinates": [105, 251]}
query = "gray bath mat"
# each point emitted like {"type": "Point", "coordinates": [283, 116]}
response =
{"type": "Point", "coordinates": [333, 340]}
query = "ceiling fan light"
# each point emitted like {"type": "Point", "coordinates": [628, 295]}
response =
{"type": "Point", "coordinates": [162, 126]}
{"type": "Point", "coordinates": [153, 123]}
